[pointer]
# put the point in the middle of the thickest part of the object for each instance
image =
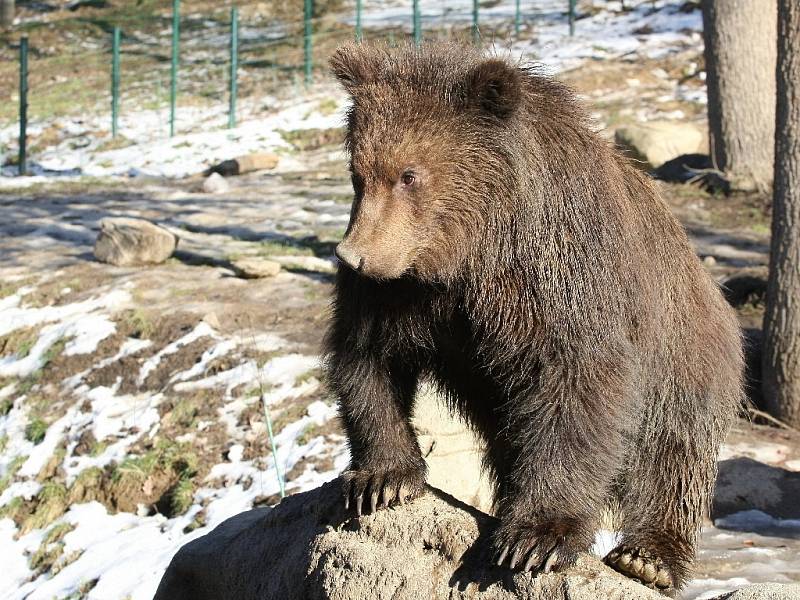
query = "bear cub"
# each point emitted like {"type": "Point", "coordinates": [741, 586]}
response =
{"type": "Point", "coordinates": [501, 250]}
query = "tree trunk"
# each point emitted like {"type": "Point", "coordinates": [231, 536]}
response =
{"type": "Point", "coordinates": [740, 51]}
{"type": "Point", "coordinates": [6, 13]}
{"type": "Point", "coordinates": [781, 359]}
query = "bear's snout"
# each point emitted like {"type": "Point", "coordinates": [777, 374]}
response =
{"type": "Point", "coordinates": [349, 256]}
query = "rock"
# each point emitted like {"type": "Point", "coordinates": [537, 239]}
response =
{"type": "Point", "coordinates": [765, 591]}
{"type": "Point", "coordinates": [452, 452]}
{"type": "Point", "coordinates": [127, 242]}
{"type": "Point", "coordinates": [307, 548]}
{"type": "Point", "coordinates": [657, 142]}
{"type": "Point", "coordinates": [215, 184]}
{"type": "Point", "coordinates": [248, 163]}
{"type": "Point", "coordinates": [433, 548]}
{"type": "Point", "coordinates": [255, 268]}
{"type": "Point", "coordinates": [746, 484]}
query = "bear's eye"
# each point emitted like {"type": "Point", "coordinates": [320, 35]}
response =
{"type": "Point", "coordinates": [408, 178]}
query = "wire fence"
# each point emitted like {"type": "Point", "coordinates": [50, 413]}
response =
{"type": "Point", "coordinates": [183, 60]}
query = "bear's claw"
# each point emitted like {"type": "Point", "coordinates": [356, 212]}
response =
{"type": "Point", "coordinates": [641, 565]}
{"type": "Point", "coordinates": [383, 489]}
{"type": "Point", "coordinates": [543, 552]}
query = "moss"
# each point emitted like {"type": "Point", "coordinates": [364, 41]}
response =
{"type": "Point", "coordinates": [138, 323]}
{"type": "Point", "coordinates": [35, 430]}
{"type": "Point", "coordinates": [328, 106]}
{"type": "Point", "coordinates": [11, 472]}
{"type": "Point", "coordinates": [198, 522]}
{"type": "Point", "coordinates": [53, 351]}
{"type": "Point", "coordinates": [47, 556]}
{"type": "Point", "coordinates": [27, 384]}
{"type": "Point", "coordinates": [5, 406]}
{"type": "Point", "coordinates": [288, 415]}
{"type": "Point", "coordinates": [181, 497]}
{"type": "Point", "coordinates": [167, 455]}
{"type": "Point", "coordinates": [283, 248]}
{"type": "Point", "coordinates": [87, 486]}
{"type": "Point", "coordinates": [306, 435]}
{"type": "Point", "coordinates": [19, 342]}
{"type": "Point", "coordinates": [12, 509]}
{"type": "Point", "coordinates": [50, 503]}
{"type": "Point", "coordinates": [309, 376]}
{"type": "Point", "coordinates": [98, 448]}
{"type": "Point", "coordinates": [184, 413]}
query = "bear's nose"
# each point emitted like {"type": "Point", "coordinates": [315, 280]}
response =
{"type": "Point", "coordinates": [349, 257]}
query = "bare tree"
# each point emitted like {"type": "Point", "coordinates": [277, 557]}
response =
{"type": "Point", "coordinates": [6, 13]}
{"type": "Point", "coordinates": [781, 359]}
{"type": "Point", "coordinates": [740, 52]}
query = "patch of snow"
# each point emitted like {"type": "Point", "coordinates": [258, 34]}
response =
{"type": "Point", "coordinates": [15, 571]}
{"type": "Point", "coordinates": [755, 520]}
{"type": "Point", "coordinates": [82, 323]}
{"type": "Point", "coordinates": [20, 489]}
{"type": "Point", "coordinates": [280, 372]}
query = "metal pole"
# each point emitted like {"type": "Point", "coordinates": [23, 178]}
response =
{"type": "Point", "coordinates": [475, 31]}
{"type": "Point", "coordinates": [307, 10]}
{"type": "Point", "coordinates": [417, 25]}
{"type": "Point", "coordinates": [173, 90]}
{"type": "Point", "coordinates": [115, 42]}
{"type": "Point", "coordinates": [358, 21]}
{"type": "Point", "coordinates": [517, 19]}
{"type": "Point", "coordinates": [572, 17]}
{"type": "Point", "coordinates": [23, 106]}
{"type": "Point", "coordinates": [234, 66]}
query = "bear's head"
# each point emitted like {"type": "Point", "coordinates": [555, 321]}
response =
{"type": "Point", "coordinates": [429, 133]}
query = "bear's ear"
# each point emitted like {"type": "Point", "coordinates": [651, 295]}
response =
{"type": "Point", "coordinates": [494, 87]}
{"type": "Point", "coordinates": [350, 65]}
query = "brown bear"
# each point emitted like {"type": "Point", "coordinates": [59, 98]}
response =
{"type": "Point", "coordinates": [502, 250]}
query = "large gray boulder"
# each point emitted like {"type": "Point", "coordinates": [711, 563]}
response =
{"type": "Point", "coordinates": [434, 548]}
{"type": "Point", "coordinates": [127, 242]}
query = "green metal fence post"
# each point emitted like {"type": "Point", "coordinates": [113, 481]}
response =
{"type": "Point", "coordinates": [23, 106]}
{"type": "Point", "coordinates": [517, 18]}
{"type": "Point", "coordinates": [572, 17]}
{"type": "Point", "coordinates": [173, 89]}
{"type": "Point", "coordinates": [358, 21]}
{"type": "Point", "coordinates": [115, 43]}
{"type": "Point", "coordinates": [476, 36]}
{"type": "Point", "coordinates": [307, 10]}
{"type": "Point", "coordinates": [417, 24]}
{"type": "Point", "coordinates": [234, 67]}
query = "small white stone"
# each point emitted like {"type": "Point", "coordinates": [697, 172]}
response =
{"type": "Point", "coordinates": [215, 184]}
{"type": "Point", "coordinates": [235, 453]}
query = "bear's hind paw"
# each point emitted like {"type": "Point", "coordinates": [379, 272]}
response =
{"type": "Point", "coordinates": [641, 565]}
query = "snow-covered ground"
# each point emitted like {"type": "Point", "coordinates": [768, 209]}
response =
{"type": "Point", "coordinates": [647, 30]}
{"type": "Point", "coordinates": [92, 548]}
{"type": "Point", "coordinates": [124, 554]}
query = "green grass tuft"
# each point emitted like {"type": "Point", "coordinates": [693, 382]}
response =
{"type": "Point", "coordinates": [36, 430]}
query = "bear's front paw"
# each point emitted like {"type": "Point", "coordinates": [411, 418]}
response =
{"type": "Point", "coordinates": [382, 488]}
{"type": "Point", "coordinates": [544, 546]}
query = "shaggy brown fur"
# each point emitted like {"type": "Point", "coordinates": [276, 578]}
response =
{"type": "Point", "coordinates": [501, 249]}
